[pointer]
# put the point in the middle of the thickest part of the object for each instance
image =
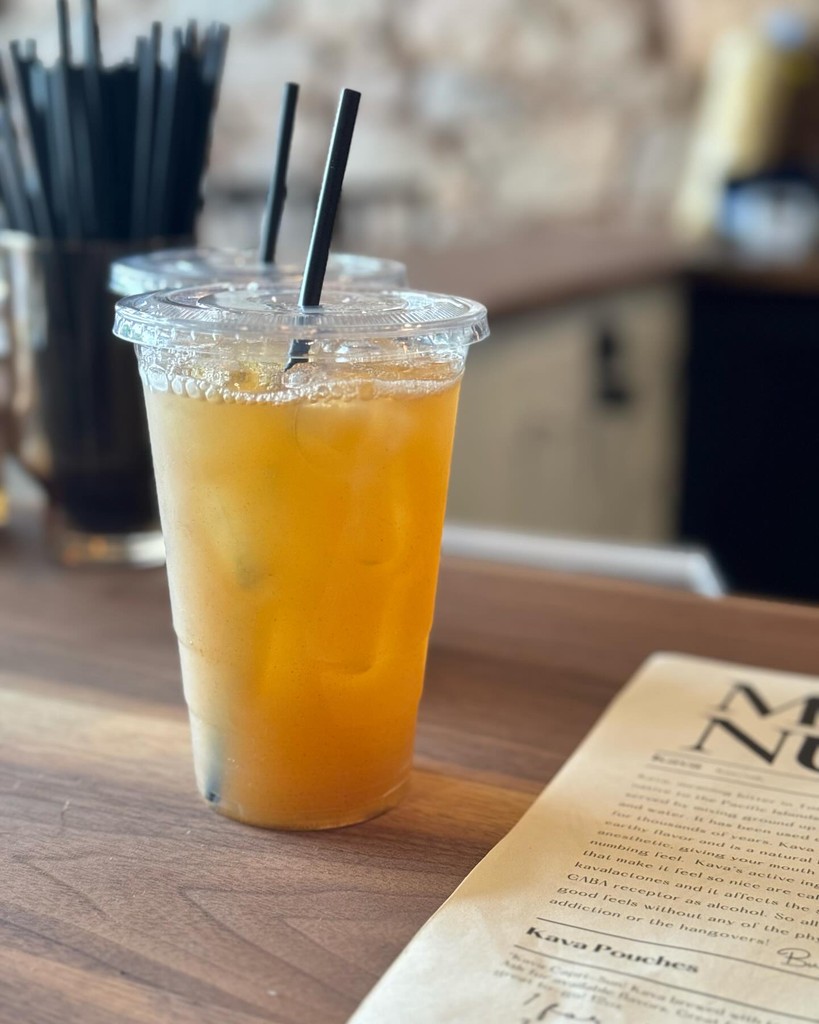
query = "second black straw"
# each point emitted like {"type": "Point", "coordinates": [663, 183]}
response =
{"type": "Point", "coordinates": [277, 193]}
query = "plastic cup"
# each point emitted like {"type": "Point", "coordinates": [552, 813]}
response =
{"type": "Point", "coordinates": [302, 510]}
{"type": "Point", "coordinates": [185, 267]}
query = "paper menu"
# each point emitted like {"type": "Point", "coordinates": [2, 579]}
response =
{"type": "Point", "coordinates": [668, 873]}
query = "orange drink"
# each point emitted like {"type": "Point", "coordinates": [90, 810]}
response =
{"type": "Point", "coordinates": [302, 511]}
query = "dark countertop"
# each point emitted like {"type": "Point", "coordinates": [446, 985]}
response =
{"type": "Point", "coordinates": [547, 265]}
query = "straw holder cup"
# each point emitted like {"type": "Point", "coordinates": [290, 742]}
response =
{"type": "Point", "coordinates": [78, 422]}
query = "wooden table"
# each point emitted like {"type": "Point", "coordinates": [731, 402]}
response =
{"type": "Point", "coordinates": [124, 899]}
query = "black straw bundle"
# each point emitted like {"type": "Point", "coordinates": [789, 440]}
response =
{"type": "Point", "coordinates": [95, 152]}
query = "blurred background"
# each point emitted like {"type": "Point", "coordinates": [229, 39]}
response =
{"type": "Point", "coordinates": [476, 119]}
{"type": "Point", "coordinates": [630, 186]}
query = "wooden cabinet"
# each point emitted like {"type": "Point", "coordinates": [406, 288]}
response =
{"type": "Point", "coordinates": [569, 420]}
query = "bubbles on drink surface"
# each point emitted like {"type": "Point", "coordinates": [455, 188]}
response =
{"type": "Point", "coordinates": [193, 375]}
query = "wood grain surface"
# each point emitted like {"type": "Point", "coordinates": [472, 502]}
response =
{"type": "Point", "coordinates": [123, 898]}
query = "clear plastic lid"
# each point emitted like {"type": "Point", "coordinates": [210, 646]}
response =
{"type": "Point", "coordinates": [181, 268]}
{"type": "Point", "coordinates": [261, 322]}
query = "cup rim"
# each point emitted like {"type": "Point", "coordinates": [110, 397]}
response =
{"type": "Point", "coordinates": [188, 266]}
{"type": "Point", "coordinates": [222, 317]}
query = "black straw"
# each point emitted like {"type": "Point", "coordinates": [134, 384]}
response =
{"type": "Point", "coordinates": [277, 193]}
{"type": "Point", "coordinates": [12, 182]}
{"type": "Point", "coordinates": [166, 119]}
{"type": "Point", "coordinates": [28, 88]}
{"type": "Point", "coordinates": [64, 29]}
{"type": "Point", "coordinates": [91, 33]}
{"type": "Point", "coordinates": [63, 115]}
{"type": "Point", "coordinates": [60, 111]}
{"type": "Point", "coordinates": [147, 75]}
{"type": "Point", "coordinates": [319, 251]}
{"type": "Point", "coordinates": [12, 176]}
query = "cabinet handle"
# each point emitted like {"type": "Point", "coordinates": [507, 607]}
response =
{"type": "Point", "coordinates": [612, 387]}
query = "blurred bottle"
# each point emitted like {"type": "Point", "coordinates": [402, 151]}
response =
{"type": "Point", "coordinates": [752, 86]}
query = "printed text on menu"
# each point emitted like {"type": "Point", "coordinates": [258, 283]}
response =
{"type": "Point", "coordinates": [669, 873]}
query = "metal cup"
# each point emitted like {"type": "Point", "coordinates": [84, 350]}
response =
{"type": "Point", "coordinates": [78, 421]}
